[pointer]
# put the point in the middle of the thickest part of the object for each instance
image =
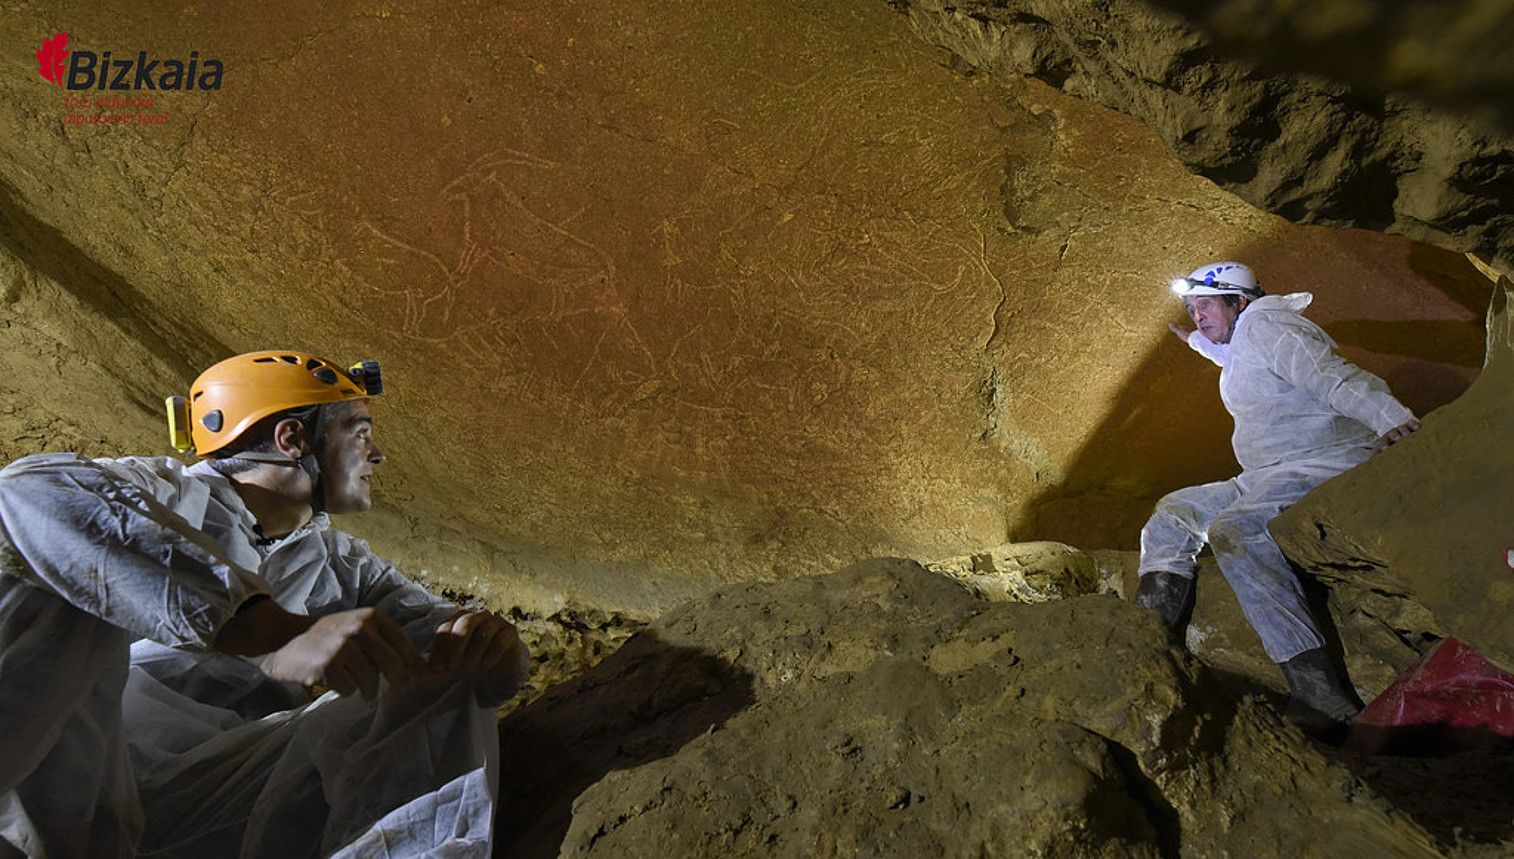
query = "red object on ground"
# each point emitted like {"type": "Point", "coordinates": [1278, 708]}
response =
{"type": "Point", "coordinates": [1454, 687]}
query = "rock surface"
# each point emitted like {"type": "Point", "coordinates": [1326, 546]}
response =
{"type": "Point", "coordinates": [1431, 522]}
{"type": "Point", "coordinates": [1378, 636]}
{"type": "Point", "coordinates": [884, 710]}
{"type": "Point", "coordinates": [563, 645]}
{"type": "Point", "coordinates": [1310, 150]}
{"type": "Point", "coordinates": [1457, 54]}
{"type": "Point", "coordinates": [1025, 572]}
{"type": "Point", "coordinates": [668, 295]}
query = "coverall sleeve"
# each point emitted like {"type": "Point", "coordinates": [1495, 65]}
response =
{"type": "Point", "coordinates": [382, 586]}
{"type": "Point", "coordinates": [1309, 363]}
{"type": "Point", "coordinates": [1216, 352]}
{"type": "Point", "coordinates": [110, 549]}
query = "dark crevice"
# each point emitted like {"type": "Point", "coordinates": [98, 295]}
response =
{"type": "Point", "coordinates": [1159, 812]}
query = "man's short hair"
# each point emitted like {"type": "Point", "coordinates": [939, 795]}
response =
{"type": "Point", "coordinates": [258, 439]}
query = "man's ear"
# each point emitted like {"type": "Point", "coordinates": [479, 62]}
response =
{"type": "Point", "coordinates": [1245, 300]}
{"type": "Point", "coordinates": [289, 438]}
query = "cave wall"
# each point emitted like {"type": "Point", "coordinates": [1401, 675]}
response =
{"type": "Point", "coordinates": [1397, 143]}
{"type": "Point", "coordinates": [667, 296]}
{"type": "Point", "coordinates": [1455, 54]}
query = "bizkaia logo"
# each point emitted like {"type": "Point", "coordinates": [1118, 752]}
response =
{"type": "Point", "coordinates": [88, 70]}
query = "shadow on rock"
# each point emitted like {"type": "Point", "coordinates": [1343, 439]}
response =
{"type": "Point", "coordinates": [896, 714]}
{"type": "Point", "coordinates": [1454, 784]}
{"type": "Point", "coordinates": [643, 703]}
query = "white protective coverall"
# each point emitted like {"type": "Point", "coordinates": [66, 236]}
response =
{"type": "Point", "coordinates": [224, 760]}
{"type": "Point", "coordinates": [87, 563]}
{"type": "Point", "coordinates": [1302, 416]}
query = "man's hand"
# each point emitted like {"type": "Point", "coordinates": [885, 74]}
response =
{"type": "Point", "coordinates": [1395, 435]}
{"type": "Point", "coordinates": [348, 651]}
{"type": "Point", "coordinates": [484, 649]}
{"type": "Point", "coordinates": [1179, 331]}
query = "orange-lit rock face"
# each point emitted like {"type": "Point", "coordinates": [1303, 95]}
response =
{"type": "Point", "coordinates": [666, 295]}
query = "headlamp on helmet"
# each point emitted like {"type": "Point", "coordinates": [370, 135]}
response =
{"type": "Point", "coordinates": [1218, 278]}
{"type": "Point", "coordinates": [230, 397]}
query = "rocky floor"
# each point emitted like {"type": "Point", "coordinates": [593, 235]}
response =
{"type": "Point", "coordinates": [1462, 797]}
{"type": "Point", "coordinates": [887, 710]}
{"type": "Point", "coordinates": [564, 644]}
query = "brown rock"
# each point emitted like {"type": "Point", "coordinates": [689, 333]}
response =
{"type": "Point", "coordinates": [884, 710]}
{"type": "Point", "coordinates": [1456, 54]}
{"type": "Point", "coordinates": [1379, 636]}
{"type": "Point", "coordinates": [1310, 150]}
{"type": "Point", "coordinates": [1024, 572]}
{"type": "Point", "coordinates": [1430, 519]}
{"type": "Point", "coordinates": [668, 296]}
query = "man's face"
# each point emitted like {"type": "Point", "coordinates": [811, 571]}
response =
{"type": "Point", "coordinates": [1213, 316]}
{"type": "Point", "coordinates": [347, 459]}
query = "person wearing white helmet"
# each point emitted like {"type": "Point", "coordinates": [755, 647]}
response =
{"type": "Point", "coordinates": [205, 737]}
{"type": "Point", "coordinates": [1302, 416]}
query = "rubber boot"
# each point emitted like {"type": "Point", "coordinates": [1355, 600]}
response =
{"type": "Point", "coordinates": [1321, 701]}
{"type": "Point", "coordinates": [1170, 596]}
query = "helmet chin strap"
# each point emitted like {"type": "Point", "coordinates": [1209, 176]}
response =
{"type": "Point", "coordinates": [307, 463]}
{"type": "Point", "coordinates": [310, 466]}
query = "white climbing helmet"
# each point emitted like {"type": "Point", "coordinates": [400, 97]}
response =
{"type": "Point", "coordinates": [1218, 278]}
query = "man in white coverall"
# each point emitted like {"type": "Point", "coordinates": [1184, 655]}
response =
{"type": "Point", "coordinates": [1302, 416]}
{"type": "Point", "coordinates": [241, 596]}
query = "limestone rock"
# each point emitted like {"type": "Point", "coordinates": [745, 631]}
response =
{"type": "Point", "coordinates": [1024, 572]}
{"type": "Point", "coordinates": [1453, 53]}
{"type": "Point", "coordinates": [1310, 150]}
{"type": "Point", "coordinates": [1432, 519]}
{"type": "Point", "coordinates": [884, 710]}
{"type": "Point", "coordinates": [668, 295]}
{"type": "Point", "coordinates": [565, 644]}
{"type": "Point", "coordinates": [1217, 632]}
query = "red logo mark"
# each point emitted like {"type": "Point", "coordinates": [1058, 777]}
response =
{"type": "Point", "coordinates": [50, 57]}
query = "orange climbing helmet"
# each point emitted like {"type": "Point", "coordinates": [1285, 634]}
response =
{"type": "Point", "coordinates": [227, 399]}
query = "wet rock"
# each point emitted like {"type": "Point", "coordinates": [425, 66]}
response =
{"type": "Point", "coordinates": [885, 710]}
{"type": "Point", "coordinates": [1305, 148]}
{"type": "Point", "coordinates": [1428, 523]}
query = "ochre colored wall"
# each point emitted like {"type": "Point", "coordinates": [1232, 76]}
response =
{"type": "Point", "coordinates": [668, 295]}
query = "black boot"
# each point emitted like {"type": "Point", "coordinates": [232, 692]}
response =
{"type": "Point", "coordinates": [1321, 699]}
{"type": "Point", "coordinates": [1169, 595]}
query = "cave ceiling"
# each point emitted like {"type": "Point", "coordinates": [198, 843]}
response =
{"type": "Point", "coordinates": [675, 295]}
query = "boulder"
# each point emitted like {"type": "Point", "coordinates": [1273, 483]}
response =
{"type": "Point", "coordinates": [1039, 571]}
{"type": "Point", "coordinates": [1428, 525]}
{"type": "Point", "coordinates": [885, 710]}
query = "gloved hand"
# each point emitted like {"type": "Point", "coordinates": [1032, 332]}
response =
{"type": "Point", "coordinates": [484, 649]}
{"type": "Point", "coordinates": [348, 651]}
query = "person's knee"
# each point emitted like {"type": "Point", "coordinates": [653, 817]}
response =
{"type": "Point", "coordinates": [1234, 529]}
{"type": "Point", "coordinates": [1229, 535]}
{"type": "Point", "coordinates": [1173, 504]}
{"type": "Point", "coordinates": [1173, 510]}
